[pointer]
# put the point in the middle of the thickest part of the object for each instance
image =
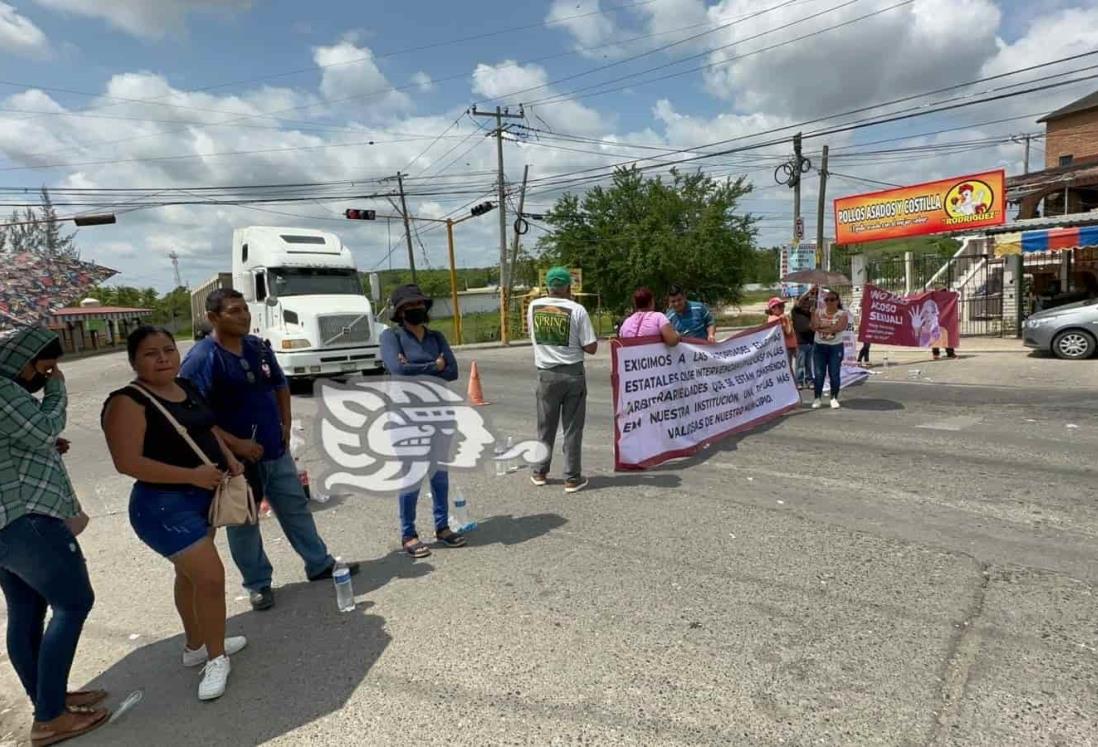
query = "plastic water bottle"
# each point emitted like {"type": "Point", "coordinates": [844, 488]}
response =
{"type": "Point", "coordinates": [345, 593]}
{"type": "Point", "coordinates": [460, 521]}
{"type": "Point", "coordinates": [512, 464]}
{"type": "Point", "coordinates": [501, 467]}
{"type": "Point", "coordinates": [297, 443]}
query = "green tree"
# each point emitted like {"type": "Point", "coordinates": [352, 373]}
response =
{"type": "Point", "coordinates": [655, 232]}
{"type": "Point", "coordinates": [38, 231]}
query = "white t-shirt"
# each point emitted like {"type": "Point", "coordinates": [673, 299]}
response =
{"type": "Point", "coordinates": [559, 328]}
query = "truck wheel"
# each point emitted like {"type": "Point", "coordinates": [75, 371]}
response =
{"type": "Point", "coordinates": [1074, 345]}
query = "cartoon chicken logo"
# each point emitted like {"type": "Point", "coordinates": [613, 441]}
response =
{"type": "Point", "coordinates": [969, 199]}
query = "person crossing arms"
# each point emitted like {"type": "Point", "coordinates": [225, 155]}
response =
{"type": "Point", "coordinates": [561, 333]}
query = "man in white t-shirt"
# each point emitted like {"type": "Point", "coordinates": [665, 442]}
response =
{"type": "Point", "coordinates": [562, 333]}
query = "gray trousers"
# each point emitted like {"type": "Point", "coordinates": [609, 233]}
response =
{"type": "Point", "coordinates": [562, 400]}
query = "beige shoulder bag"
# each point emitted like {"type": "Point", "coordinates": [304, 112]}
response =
{"type": "Point", "coordinates": [233, 503]}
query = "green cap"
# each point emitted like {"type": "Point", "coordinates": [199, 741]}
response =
{"type": "Point", "coordinates": [558, 277]}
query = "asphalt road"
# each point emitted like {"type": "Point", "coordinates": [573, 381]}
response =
{"type": "Point", "coordinates": [918, 568]}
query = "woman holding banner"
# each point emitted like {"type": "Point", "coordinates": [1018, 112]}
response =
{"type": "Point", "coordinates": [645, 321]}
{"type": "Point", "coordinates": [829, 323]}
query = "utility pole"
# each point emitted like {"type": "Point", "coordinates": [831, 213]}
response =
{"type": "Point", "coordinates": [518, 235]}
{"type": "Point", "coordinates": [797, 225]}
{"type": "Point", "coordinates": [1023, 139]}
{"type": "Point", "coordinates": [789, 174]}
{"type": "Point", "coordinates": [501, 114]}
{"type": "Point", "coordinates": [821, 206]}
{"type": "Point", "coordinates": [174, 257]}
{"type": "Point", "coordinates": [407, 226]}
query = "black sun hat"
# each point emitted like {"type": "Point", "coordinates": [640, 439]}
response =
{"type": "Point", "coordinates": [404, 295]}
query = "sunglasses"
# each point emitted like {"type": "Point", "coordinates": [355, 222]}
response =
{"type": "Point", "coordinates": [831, 299]}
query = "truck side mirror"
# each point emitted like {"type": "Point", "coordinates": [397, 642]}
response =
{"type": "Point", "coordinates": [272, 301]}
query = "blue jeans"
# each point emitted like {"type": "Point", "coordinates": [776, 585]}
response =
{"type": "Point", "coordinates": [41, 566]}
{"type": "Point", "coordinates": [804, 375]}
{"type": "Point", "coordinates": [282, 489]}
{"type": "Point", "coordinates": [828, 360]}
{"type": "Point", "coordinates": [440, 495]}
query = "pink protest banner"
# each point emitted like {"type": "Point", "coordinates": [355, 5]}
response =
{"type": "Point", "coordinates": [922, 320]}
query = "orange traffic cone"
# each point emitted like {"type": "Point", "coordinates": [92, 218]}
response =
{"type": "Point", "coordinates": [475, 395]}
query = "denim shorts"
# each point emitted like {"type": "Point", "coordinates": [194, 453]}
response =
{"type": "Point", "coordinates": [170, 520]}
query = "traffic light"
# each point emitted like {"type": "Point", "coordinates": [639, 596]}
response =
{"type": "Point", "coordinates": [355, 214]}
{"type": "Point", "coordinates": [482, 208]}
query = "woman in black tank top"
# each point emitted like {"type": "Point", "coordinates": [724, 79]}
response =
{"type": "Point", "coordinates": [170, 502]}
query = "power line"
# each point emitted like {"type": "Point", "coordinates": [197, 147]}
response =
{"type": "Point", "coordinates": [575, 94]}
{"type": "Point", "coordinates": [632, 58]}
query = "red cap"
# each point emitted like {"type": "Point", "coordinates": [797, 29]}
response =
{"type": "Point", "coordinates": [775, 301]}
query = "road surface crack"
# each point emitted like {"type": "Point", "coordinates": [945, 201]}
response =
{"type": "Point", "coordinates": [961, 656]}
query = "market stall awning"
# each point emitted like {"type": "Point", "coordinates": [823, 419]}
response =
{"type": "Point", "coordinates": [1045, 240]}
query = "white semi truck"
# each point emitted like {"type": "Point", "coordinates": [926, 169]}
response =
{"type": "Point", "coordinates": [305, 297]}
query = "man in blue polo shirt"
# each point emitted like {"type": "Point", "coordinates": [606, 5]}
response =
{"type": "Point", "coordinates": [250, 397]}
{"type": "Point", "coordinates": [690, 318]}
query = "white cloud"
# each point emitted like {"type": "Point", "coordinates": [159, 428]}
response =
{"type": "Point", "coordinates": [150, 19]}
{"type": "Point", "coordinates": [1062, 34]}
{"type": "Point", "coordinates": [351, 78]}
{"type": "Point", "coordinates": [423, 82]}
{"type": "Point", "coordinates": [19, 35]}
{"type": "Point", "coordinates": [588, 24]}
{"type": "Point", "coordinates": [505, 80]}
{"type": "Point", "coordinates": [599, 34]}
{"type": "Point", "coordinates": [904, 50]}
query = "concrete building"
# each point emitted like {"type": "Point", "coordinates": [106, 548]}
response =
{"type": "Point", "coordinates": [92, 327]}
{"type": "Point", "coordinates": [1069, 181]}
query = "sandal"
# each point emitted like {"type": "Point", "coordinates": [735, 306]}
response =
{"type": "Point", "coordinates": [81, 700]}
{"type": "Point", "coordinates": [415, 548]}
{"type": "Point", "coordinates": [43, 736]}
{"type": "Point", "coordinates": [450, 538]}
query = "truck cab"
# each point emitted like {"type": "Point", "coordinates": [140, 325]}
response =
{"type": "Point", "coordinates": [306, 299]}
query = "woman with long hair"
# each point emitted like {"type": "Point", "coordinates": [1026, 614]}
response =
{"type": "Point", "coordinates": [829, 324]}
{"type": "Point", "coordinates": [170, 502]}
{"type": "Point", "coordinates": [645, 321]}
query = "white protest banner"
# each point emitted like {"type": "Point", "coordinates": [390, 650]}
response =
{"type": "Point", "coordinates": [670, 402]}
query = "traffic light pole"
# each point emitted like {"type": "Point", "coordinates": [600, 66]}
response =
{"type": "Point", "coordinates": [450, 223]}
{"type": "Point", "coordinates": [453, 280]}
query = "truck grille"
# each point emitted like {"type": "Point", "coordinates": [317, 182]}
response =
{"type": "Point", "coordinates": [342, 330]}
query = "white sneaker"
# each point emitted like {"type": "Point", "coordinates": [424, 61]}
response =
{"type": "Point", "coordinates": [214, 678]}
{"type": "Point", "coordinates": [816, 404]}
{"type": "Point", "coordinates": [835, 404]}
{"type": "Point", "coordinates": [233, 645]}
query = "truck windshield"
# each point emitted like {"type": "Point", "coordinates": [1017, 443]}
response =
{"type": "Point", "coordinates": [315, 281]}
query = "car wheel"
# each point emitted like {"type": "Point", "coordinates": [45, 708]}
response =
{"type": "Point", "coordinates": [1074, 345]}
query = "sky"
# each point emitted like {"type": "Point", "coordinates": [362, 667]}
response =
{"type": "Point", "coordinates": [178, 98]}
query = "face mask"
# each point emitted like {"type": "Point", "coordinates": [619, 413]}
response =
{"type": "Point", "coordinates": [415, 316]}
{"type": "Point", "coordinates": [36, 383]}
